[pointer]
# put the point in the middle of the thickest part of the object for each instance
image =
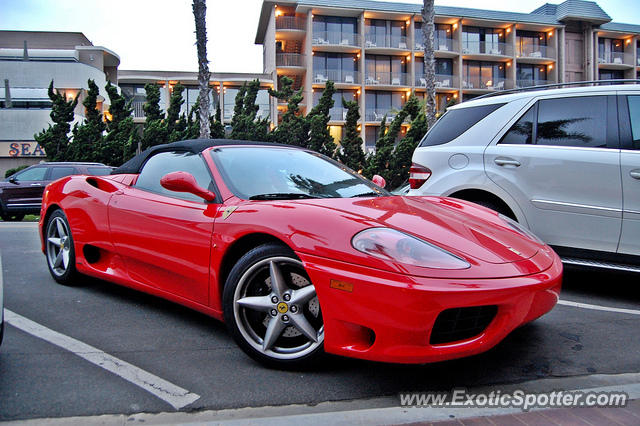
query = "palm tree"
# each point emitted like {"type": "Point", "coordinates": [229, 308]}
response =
{"type": "Point", "coordinates": [429, 59]}
{"type": "Point", "coordinates": [200, 13]}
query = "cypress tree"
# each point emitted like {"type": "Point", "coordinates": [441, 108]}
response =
{"type": "Point", "coordinates": [155, 130]}
{"type": "Point", "coordinates": [217, 127]}
{"type": "Point", "coordinates": [55, 139]}
{"type": "Point", "coordinates": [176, 123]}
{"type": "Point", "coordinates": [320, 139]}
{"type": "Point", "coordinates": [293, 129]}
{"type": "Point", "coordinates": [401, 161]}
{"type": "Point", "coordinates": [246, 125]}
{"type": "Point", "coordinates": [351, 153]}
{"type": "Point", "coordinates": [87, 137]}
{"type": "Point", "coordinates": [121, 140]}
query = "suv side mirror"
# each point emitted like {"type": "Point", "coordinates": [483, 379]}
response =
{"type": "Point", "coordinates": [185, 182]}
{"type": "Point", "coordinates": [13, 180]}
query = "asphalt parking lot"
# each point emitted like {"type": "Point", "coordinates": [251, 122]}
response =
{"type": "Point", "coordinates": [196, 354]}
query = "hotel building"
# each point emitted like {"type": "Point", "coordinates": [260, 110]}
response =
{"type": "Point", "coordinates": [374, 51]}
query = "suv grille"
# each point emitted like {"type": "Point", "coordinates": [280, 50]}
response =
{"type": "Point", "coordinates": [457, 324]}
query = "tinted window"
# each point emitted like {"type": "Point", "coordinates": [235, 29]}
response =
{"type": "Point", "coordinates": [37, 173]}
{"type": "Point", "coordinates": [287, 173]}
{"type": "Point", "coordinates": [634, 115]}
{"type": "Point", "coordinates": [579, 121]}
{"type": "Point", "coordinates": [455, 122]}
{"type": "Point", "coordinates": [166, 162]}
{"type": "Point", "coordinates": [520, 133]}
{"type": "Point", "coordinates": [98, 171]}
{"type": "Point", "coordinates": [59, 172]}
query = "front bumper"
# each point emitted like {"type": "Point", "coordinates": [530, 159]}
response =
{"type": "Point", "coordinates": [385, 316]}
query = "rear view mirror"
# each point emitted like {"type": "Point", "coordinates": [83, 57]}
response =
{"type": "Point", "coordinates": [185, 182]}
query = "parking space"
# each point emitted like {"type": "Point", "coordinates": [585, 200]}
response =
{"type": "Point", "coordinates": [196, 354]}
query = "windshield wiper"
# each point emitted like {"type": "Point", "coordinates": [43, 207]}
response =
{"type": "Point", "coordinates": [367, 194]}
{"type": "Point", "coordinates": [282, 196]}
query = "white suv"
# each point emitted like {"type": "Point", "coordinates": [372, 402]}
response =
{"type": "Point", "coordinates": [563, 162]}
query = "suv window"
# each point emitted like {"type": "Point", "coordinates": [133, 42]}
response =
{"type": "Point", "coordinates": [522, 131]}
{"type": "Point", "coordinates": [578, 121]}
{"type": "Point", "coordinates": [167, 162]}
{"type": "Point", "coordinates": [456, 122]}
{"type": "Point", "coordinates": [98, 171]}
{"type": "Point", "coordinates": [634, 115]}
{"type": "Point", "coordinates": [36, 173]}
{"type": "Point", "coordinates": [59, 172]}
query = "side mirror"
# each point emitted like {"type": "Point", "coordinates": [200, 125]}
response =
{"type": "Point", "coordinates": [379, 180]}
{"type": "Point", "coordinates": [185, 182]}
{"type": "Point", "coordinates": [13, 180]}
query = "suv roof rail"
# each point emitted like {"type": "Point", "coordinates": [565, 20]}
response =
{"type": "Point", "coordinates": [558, 85]}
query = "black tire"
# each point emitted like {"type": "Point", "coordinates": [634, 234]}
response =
{"type": "Point", "coordinates": [7, 217]}
{"type": "Point", "coordinates": [59, 249]}
{"type": "Point", "coordinates": [495, 207]}
{"type": "Point", "coordinates": [279, 326]}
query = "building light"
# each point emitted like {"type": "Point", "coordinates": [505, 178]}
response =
{"type": "Point", "coordinates": [455, 96]}
{"type": "Point", "coordinates": [508, 30]}
{"type": "Point", "coordinates": [550, 66]}
{"type": "Point", "coordinates": [455, 25]}
{"type": "Point", "coordinates": [358, 92]}
{"type": "Point", "coordinates": [408, 58]}
{"type": "Point", "coordinates": [508, 64]}
{"type": "Point", "coordinates": [550, 34]}
{"type": "Point", "coordinates": [358, 55]}
{"type": "Point", "coordinates": [359, 127]}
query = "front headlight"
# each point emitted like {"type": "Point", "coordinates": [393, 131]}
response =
{"type": "Point", "coordinates": [520, 229]}
{"type": "Point", "coordinates": [396, 246]}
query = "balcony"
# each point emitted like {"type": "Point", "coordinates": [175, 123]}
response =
{"type": "Point", "coordinates": [536, 52]}
{"type": "Point", "coordinates": [439, 45]}
{"type": "Point", "coordinates": [291, 23]}
{"type": "Point", "coordinates": [337, 76]}
{"type": "Point", "coordinates": [289, 60]}
{"type": "Point", "coordinates": [388, 42]}
{"type": "Point", "coordinates": [378, 113]}
{"type": "Point", "coordinates": [483, 48]}
{"type": "Point", "coordinates": [331, 38]}
{"type": "Point", "coordinates": [338, 114]}
{"type": "Point", "coordinates": [531, 82]}
{"type": "Point", "coordinates": [615, 58]}
{"type": "Point", "coordinates": [497, 83]}
{"type": "Point", "coordinates": [443, 81]}
{"type": "Point", "coordinates": [389, 79]}
{"type": "Point", "coordinates": [138, 110]}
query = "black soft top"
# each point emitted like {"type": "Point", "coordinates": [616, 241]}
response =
{"type": "Point", "coordinates": [195, 146]}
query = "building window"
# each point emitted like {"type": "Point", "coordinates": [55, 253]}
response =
{"type": "Point", "coordinates": [336, 133]}
{"type": "Point", "coordinates": [531, 75]}
{"type": "Point", "coordinates": [337, 67]}
{"type": "Point", "coordinates": [337, 112]}
{"type": "Point", "coordinates": [483, 75]}
{"type": "Point", "coordinates": [610, 51]}
{"type": "Point", "coordinates": [611, 74]}
{"type": "Point", "coordinates": [382, 33]}
{"type": "Point", "coordinates": [531, 44]}
{"type": "Point", "coordinates": [444, 73]}
{"type": "Point", "coordinates": [335, 30]}
{"type": "Point", "coordinates": [483, 40]}
{"type": "Point", "coordinates": [378, 104]}
{"type": "Point", "coordinates": [190, 96]}
{"type": "Point", "coordinates": [386, 70]}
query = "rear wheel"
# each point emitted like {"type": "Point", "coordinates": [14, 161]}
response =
{"type": "Point", "coordinates": [59, 249]}
{"type": "Point", "coordinates": [495, 207]}
{"type": "Point", "coordinates": [271, 308]}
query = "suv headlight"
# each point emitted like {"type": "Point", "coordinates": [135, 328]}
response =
{"type": "Point", "coordinates": [396, 246]}
{"type": "Point", "coordinates": [520, 229]}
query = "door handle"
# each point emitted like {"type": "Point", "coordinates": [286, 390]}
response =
{"type": "Point", "coordinates": [506, 162]}
{"type": "Point", "coordinates": [36, 184]}
{"type": "Point", "coordinates": [635, 173]}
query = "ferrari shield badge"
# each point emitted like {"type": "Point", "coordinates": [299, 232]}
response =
{"type": "Point", "coordinates": [227, 211]}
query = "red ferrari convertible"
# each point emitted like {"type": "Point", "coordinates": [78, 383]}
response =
{"type": "Point", "coordinates": [299, 255]}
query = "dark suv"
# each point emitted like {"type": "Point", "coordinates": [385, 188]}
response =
{"type": "Point", "coordinates": [21, 193]}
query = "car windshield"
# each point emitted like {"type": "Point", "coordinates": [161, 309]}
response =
{"type": "Point", "coordinates": [270, 173]}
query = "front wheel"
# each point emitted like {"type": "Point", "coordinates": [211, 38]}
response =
{"type": "Point", "coordinates": [59, 249]}
{"type": "Point", "coordinates": [271, 308]}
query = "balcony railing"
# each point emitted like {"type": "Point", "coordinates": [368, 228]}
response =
{"type": "Point", "coordinates": [521, 83]}
{"type": "Point", "coordinates": [497, 83]}
{"type": "Point", "coordinates": [334, 38]}
{"type": "Point", "coordinates": [338, 114]}
{"type": "Point", "coordinates": [392, 79]}
{"type": "Point", "coordinates": [439, 45]}
{"type": "Point", "coordinates": [443, 81]}
{"type": "Point", "coordinates": [138, 110]}
{"type": "Point", "coordinates": [615, 58]}
{"type": "Point", "coordinates": [536, 51]}
{"type": "Point", "coordinates": [484, 48]}
{"type": "Point", "coordinates": [337, 76]}
{"type": "Point", "coordinates": [289, 60]}
{"type": "Point", "coordinates": [291, 23]}
{"type": "Point", "coordinates": [394, 42]}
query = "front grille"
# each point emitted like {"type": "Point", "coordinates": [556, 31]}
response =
{"type": "Point", "coordinates": [457, 324]}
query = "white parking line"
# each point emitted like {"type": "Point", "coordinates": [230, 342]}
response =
{"type": "Point", "coordinates": [174, 395]}
{"type": "Point", "coordinates": [597, 307]}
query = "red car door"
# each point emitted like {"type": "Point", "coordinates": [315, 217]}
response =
{"type": "Point", "coordinates": [164, 237]}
